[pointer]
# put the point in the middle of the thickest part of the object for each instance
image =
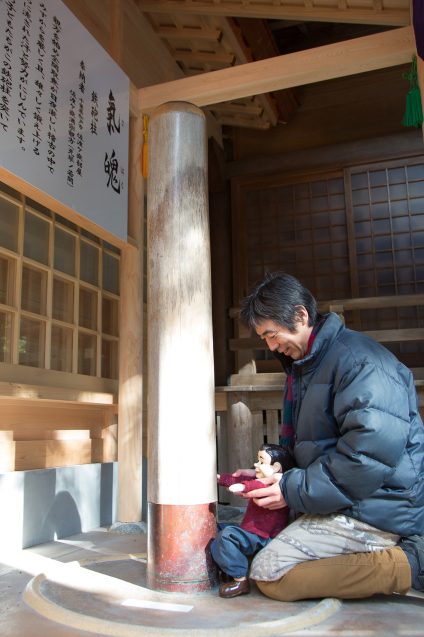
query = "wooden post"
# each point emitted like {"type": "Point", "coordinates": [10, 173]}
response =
{"type": "Point", "coordinates": [339, 310]}
{"type": "Point", "coordinates": [131, 311]}
{"type": "Point", "coordinates": [240, 436]}
{"type": "Point", "coordinates": [117, 31]}
{"type": "Point", "coordinates": [221, 430]}
{"type": "Point", "coordinates": [420, 71]}
{"type": "Point", "coordinates": [182, 487]}
{"type": "Point", "coordinates": [131, 342]}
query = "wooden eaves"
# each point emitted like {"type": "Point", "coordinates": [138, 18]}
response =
{"type": "Point", "coordinates": [383, 12]}
{"type": "Point", "coordinates": [364, 54]}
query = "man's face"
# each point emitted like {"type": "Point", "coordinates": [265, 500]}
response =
{"type": "Point", "coordinates": [282, 340]}
{"type": "Point", "coordinates": [263, 467]}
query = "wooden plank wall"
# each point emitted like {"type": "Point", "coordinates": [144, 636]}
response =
{"type": "Point", "coordinates": [336, 111]}
{"type": "Point", "coordinates": [38, 434]}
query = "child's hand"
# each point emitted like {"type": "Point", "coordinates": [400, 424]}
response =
{"type": "Point", "coordinates": [236, 488]}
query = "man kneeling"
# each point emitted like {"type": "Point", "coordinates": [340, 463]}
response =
{"type": "Point", "coordinates": [351, 416]}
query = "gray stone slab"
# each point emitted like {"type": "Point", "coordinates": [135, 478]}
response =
{"type": "Point", "coordinates": [128, 528]}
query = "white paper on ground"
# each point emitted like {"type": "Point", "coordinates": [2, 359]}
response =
{"type": "Point", "coordinates": [141, 603]}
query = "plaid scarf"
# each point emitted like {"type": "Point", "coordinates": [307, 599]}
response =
{"type": "Point", "coordinates": [287, 432]}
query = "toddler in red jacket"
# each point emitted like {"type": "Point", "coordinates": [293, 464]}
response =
{"type": "Point", "coordinates": [233, 543]}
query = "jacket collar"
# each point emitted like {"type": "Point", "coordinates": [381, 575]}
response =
{"type": "Point", "coordinates": [322, 343]}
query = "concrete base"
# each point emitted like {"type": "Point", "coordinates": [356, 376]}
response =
{"type": "Point", "coordinates": [113, 600]}
{"type": "Point", "coordinates": [48, 504]}
{"type": "Point", "coordinates": [378, 616]}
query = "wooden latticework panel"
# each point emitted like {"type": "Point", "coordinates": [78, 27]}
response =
{"type": "Point", "coordinates": [300, 228]}
{"type": "Point", "coordinates": [388, 214]}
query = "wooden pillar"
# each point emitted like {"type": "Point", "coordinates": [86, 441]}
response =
{"type": "Point", "coordinates": [240, 436]}
{"type": "Point", "coordinates": [182, 487]}
{"type": "Point", "coordinates": [131, 311]}
{"type": "Point", "coordinates": [420, 64]}
{"type": "Point", "coordinates": [420, 72]}
{"type": "Point", "coordinates": [131, 342]}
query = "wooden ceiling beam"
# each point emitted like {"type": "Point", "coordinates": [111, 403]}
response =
{"type": "Point", "coordinates": [237, 108]}
{"type": "Point", "coordinates": [258, 36]}
{"type": "Point", "coordinates": [171, 33]}
{"type": "Point", "coordinates": [243, 122]}
{"type": "Point", "coordinates": [244, 54]}
{"type": "Point", "coordinates": [341, 59]}
{"type": "Point", "coordinates": [200, 56]}
{"type": "Point", "coordinates": [386, 17]}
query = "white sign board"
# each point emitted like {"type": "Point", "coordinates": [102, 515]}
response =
{"type": "Point", "coordinates": [64, 111]}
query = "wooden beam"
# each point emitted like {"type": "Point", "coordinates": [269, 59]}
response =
{"type": "Point", "coordinates": [364, 151]}
{"type": "Point", "coordinates": [214, 127]}
{"type": "Point", "coordinates": [29, 382]}
{"type": "Point", "coordinates": [382, 336]}
{"type": "Point", "coordinates": [278, 12]}
{"type": "Point", "coordinates": [258, 36]}
{"type": "Point", "coordinates": [234, 36]}
{"type": "Point", "coordinates": [134, 112]}
{"type": "Point", "coordinates": [240, 109]}
{"type": "Point", "coordinates": [366, 303]}
{"type": "Point", "coordinates": [170, 33]}
{"type": "Point", "coordinates": [200, 56]}
{"type": "Point", "coordinates": [397, 336]}
{"type": "Point", "coordinates": [374, 302]}
{"type": "Point", "coordinates": [276, 25]}
{"type": "Point", "coordinates": [305, 67]}
{"type": "Point", "coordinates": [244, 122]}
{"type": "Point", "coordinates": [42, 454]}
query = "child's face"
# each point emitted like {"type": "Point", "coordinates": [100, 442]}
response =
{"type": "Point", "coordinates": [263, 467]}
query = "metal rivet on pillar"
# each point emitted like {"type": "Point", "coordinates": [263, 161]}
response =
{"type": "Point", "coordinates": [182, 489]}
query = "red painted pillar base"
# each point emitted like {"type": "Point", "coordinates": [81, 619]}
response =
{"type": "Point", "coordinates": [178, 553]}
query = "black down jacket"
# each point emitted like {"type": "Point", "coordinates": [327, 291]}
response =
{"type": "Point", "coordinates": [359, 439]}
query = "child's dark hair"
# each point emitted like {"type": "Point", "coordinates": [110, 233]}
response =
{"type": "Point", "coordinates": [283, 455]}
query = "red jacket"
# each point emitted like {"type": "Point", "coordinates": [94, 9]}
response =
{"type": "Point", "coordinates": [264, 522]}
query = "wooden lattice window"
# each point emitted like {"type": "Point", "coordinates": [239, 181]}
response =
{"type": "Point", "coordinates": [59, 291]}
{"type": "Point", "coordinates": [388, 216]}
{"type": "Point", "coordinates": [300, 228]}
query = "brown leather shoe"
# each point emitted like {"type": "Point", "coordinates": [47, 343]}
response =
{"type": "Point", "coordinates": [234, 588]}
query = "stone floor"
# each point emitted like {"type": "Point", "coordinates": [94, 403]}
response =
{"type": "Point", "coordinates": [375, 617]}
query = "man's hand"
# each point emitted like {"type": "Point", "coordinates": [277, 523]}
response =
{"type": "Point", "coordinates": [244, 472]}
{"type": "Point", "coordinates": [270, 497]}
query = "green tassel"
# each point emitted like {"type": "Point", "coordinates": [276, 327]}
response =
{"type": "Point", "coordinates": [414, 112]}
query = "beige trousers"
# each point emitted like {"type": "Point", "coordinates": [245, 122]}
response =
{"type": "Point", "coordinates": [344, 576]}
{"type": "Point", "coordinates": [331, 556]}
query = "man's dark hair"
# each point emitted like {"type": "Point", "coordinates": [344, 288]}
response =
{"type": "Point", "coordinates": [283, 455]}
{"type": "Point", "coordinates": [278, 297]}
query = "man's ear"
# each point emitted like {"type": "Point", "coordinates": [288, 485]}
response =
{"type": "Point", "coordinates": [303, 314]}
{"type": "Point", "coordinates": [277, 467]}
